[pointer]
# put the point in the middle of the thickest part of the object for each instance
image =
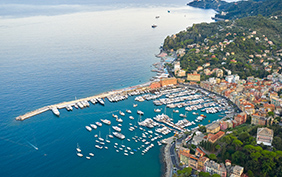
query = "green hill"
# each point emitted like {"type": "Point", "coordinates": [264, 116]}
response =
{"type": "Point", "coordinates": [247, 46]}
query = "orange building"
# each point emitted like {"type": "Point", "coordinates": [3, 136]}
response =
{"type": "Point", "coordinates": [214, 137]}
{"type": "Point", "coordinates": [168, 81]}
{"type": "Point", "coordinates": [155, 85]}
{"type": "Point", "coordinates": [269, 107]}
{"type": "Point", "coordinates": [241, 118]}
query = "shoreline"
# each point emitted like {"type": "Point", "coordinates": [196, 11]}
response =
{"type": "Point", "coordinates": [166, 158]}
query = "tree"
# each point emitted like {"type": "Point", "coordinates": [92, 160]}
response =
{"type": "Point", "coordinates": [238, 157]}
{"type": "Point", "coordinates": [212, 156]}
{"type": "Point", "coordinates": [243, 136]}
{"type": "Point", "coordinates": [204, 174]}
{"type": "Point", "coordinates": [215, 175]}
{"type": "Point", "coordinates": [217, 147]}
{"type": "Point", "coordinates": [250, 173]}
{"type": "Point", "coordinates": [237, 143]}
{"type": "Point", "coordinates": [271, 113]}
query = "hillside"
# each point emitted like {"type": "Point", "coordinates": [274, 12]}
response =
{"type": "Point", "coordinates": [240, 9]}
{"type": "Point", "coordinates": [248, 46]}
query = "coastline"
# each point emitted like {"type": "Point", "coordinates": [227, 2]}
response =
{"type": "Point", "coordinates": [167, 158]}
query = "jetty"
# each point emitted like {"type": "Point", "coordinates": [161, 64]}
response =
{"type": "Point", "coordinates": [62, 105]}
{"type": "Point", "coordinates": [83, 102]}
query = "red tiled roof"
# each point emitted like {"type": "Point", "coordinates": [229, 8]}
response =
{"type": "Point", "coordinates": [200, 151]}
{"type": "Point", "coordinates": [214, 137]}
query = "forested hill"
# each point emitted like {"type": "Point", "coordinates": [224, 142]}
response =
{"type": "Point", "coordinates": [248, 46]}
{"type": "Point", "coordinates": [217, 5]}
{"type": "Point", "coordinates": [240, 9]}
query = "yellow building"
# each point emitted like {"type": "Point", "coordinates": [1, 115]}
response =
{"type": "Point", "coordinates": [213, 128]}
{"type": "Point", "coordinates": [193, 77]}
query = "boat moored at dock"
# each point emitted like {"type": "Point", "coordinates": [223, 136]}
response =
{"type": "Point", "coordinates": [55, 111]}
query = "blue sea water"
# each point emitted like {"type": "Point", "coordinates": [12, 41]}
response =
{"type": "Point", "coordinates": [56, 51]}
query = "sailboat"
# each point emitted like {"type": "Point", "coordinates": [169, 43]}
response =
{"type": "Point", "coordinates": [111, 136]}
{"type": "Point", "coordinates": [78, 148]}
{"type": "Point", "coordinates": [183, 115]}
{"type": "Point", "coordinates": [108, 141]}
{"type": "Point", "coordinates": [101, 139]}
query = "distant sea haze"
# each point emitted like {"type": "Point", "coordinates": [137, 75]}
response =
{"type": "Point", "coordinates": [48, 57]}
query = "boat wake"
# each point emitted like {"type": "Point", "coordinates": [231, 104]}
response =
{"type": "Point", "coordinates": [36, 148]}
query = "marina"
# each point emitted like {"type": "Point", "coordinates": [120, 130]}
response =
{"type": "Point", "coordinates": [57, 65]}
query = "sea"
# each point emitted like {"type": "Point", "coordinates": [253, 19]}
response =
{"type": "Point", "coordinates": [62, 50]}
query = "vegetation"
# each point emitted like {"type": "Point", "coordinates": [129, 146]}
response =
{"type": "Point", "coordinates": [240, 9]}
{"type": "Point", "coordinates": [229, 45]}
{"type": "Point", "coordinates": [185, 172]}
{"type": "Point", "coordinates": [258, 160]}
{"type": "Point", "coordinates": [209, 146]}
{"type": "Point", "coordinates": [206, 174]}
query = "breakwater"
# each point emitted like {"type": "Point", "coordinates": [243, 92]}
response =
{"type": "Point", "coordinates": [76, 102]}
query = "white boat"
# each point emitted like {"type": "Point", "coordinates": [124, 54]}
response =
{"type": "Point", "coordinates": [79, 154]}
{"type": "Point", "coordinates": [111, 136]}
{"type": "Point", "coordinates": [100, 101]}
{"type": "Point", "coordinates": [126, 154]}
{"type": "Point", "coordinates": [157, 110]}
{"type": "Point", "coordinates": [118, 135]}
{"type": "Point", "coordinates": [119, 120]}
{"type": "Point", "coordinates": [91, 154]}
{"type": "Point", "coordinates": [105, 121]}
{"type": "Point", "coordinates": [119, 125]}
{"type": "Point", "coordinates": [117, 150]}
{"type": "Point", "coordinates": [99, 147]}
{"type": "Point", "coordinates": [131, 152]}
{"type": "Point", "coordinates": [135, 105]}
{"type": "Point", "coordinates": [176, 111]}
{"type": "Point", "coordinates": [106, 147]}
{"type": "Point", "coordinates": [56, 111]}
{"type": "Point", "coordinates": [115, 116]}
{"type": "Point", "coordinates": [128, 111]}
{"type": "Point", "coordinates": [78, 148]}
{"type": "Point", "coordinates": [87, 157]}
{"type": "Point", "coordinates": [121, 113]}
{"type": "Point", "coordinates": [116, 128]}
{"type": "Point", "coordinates": [88, 128]}
{"type": "Point", "coordinates": [98, 123]}
{"type": "Point", "coordinates": [140, 112]}
{"type": "Point", "coordinates": [93, 126]}
{"type": "Point", "coordinates": [101, 139]}
{"type": "Point", "coordinates": [130, 117]}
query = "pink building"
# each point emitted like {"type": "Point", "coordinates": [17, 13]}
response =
{"type": "Point", "coordinates": [223, 125]}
